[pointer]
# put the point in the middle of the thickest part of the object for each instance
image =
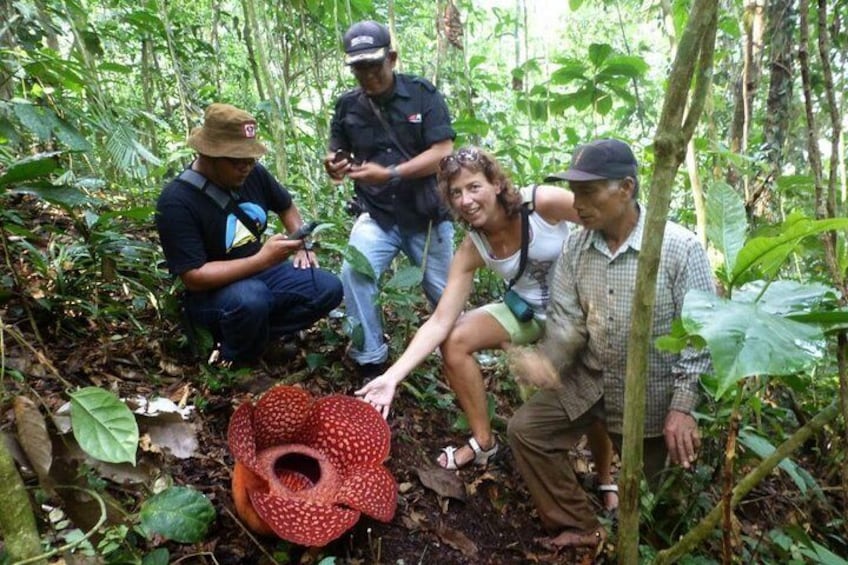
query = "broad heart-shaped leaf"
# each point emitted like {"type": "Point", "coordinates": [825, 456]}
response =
{"type": "Point", "coordinates": [726, 222]}
{"type": "Point", "coordinates": [769, 253]}
{"type": "Point", "coordinates": [103, 426]}
{"type": "Point", "coordinates": [30, 168]}
{"type": "Point", "coordinates": [785, 297]}
{"type": "Point", "coordinates": [359, 262]}
{"type": "Point", "coordinates": [745, 340]}
{"type": "Point", "coordinates": [177, 513]}
{"type": "Point", "coordinates": [407, 277]}
{"type": "Point", "coordinates": [598, 53]}
{"type": "Point", "coordinates": [763, 448]}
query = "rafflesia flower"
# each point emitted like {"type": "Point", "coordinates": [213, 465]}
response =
{"type": "Point", "coordinates": [306, 469]}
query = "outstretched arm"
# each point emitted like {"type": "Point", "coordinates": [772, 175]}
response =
{"type": "Point", "coordinates": [381, 391]}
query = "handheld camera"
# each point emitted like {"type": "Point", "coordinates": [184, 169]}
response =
{"type": "Point", "coordinates": [303, 231]}
{"type": "Point", "coordinates": [342, 155]}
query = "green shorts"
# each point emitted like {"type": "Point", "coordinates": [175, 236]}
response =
{"type": "Point", "coordinates": [520, 333]}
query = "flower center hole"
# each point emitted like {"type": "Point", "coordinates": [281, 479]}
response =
{"type": "Point", "coordinates": [298, 471]}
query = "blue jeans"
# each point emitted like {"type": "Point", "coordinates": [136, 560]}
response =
{"type": "Point", "coordinates": [280, 300]}
{"type": "Point", "coordinates": [380, 248]}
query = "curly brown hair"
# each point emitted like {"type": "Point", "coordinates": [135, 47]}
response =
{"type": "Point", "coordinates": [475, 160]}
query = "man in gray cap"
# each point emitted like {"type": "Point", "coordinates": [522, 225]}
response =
{"type": "Point", "coordinates": [243, 286]}
{"type": "Point", "coordinates": [582, 360]}
{"type": "Point", "coordinates": [388, 136]}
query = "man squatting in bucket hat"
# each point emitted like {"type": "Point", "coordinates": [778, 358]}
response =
{"type": "Point", "coordinates": [211, 220]}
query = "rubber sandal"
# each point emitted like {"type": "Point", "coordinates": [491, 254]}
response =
{"type": "Point", "coordinates": [603, 490]}
{"type": "Point", "coordinates": [481, 456]}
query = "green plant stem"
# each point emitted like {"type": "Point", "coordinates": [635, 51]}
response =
{"type": "Point", "coordinates": [73, 544]}
{"type": "Point", "coordinates": [727, 474]}
{"type": "Point", "coordinates": [17, 521]}
{"type": "Point", "coordinates": [697, 534]}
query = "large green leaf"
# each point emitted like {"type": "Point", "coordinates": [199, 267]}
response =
{"type": "Point", "coordinates": [63, 196]}
{"type": "Point", "coordinates": [598, 53]}
{"type": "Point", "coordinates": [630, 66]}
{"type": "Point", "coordinates": [763, 448]}
{"type": "Point", "coordinates": [177, 513]}
{"type": "Point", "coordinates": [726, 222]}
{"type": "Point", "coordinates": [30, 168]}
{"type": "Point", "coordinates": [746, 340]}
{"type": "Point", "coordinates": [471, 126]}
{"type": "Point", "coordinates": [406, 277]}
{"type": "Point", "coordinates": [783, 297]}
{"type": "Point", "coordinates": [103, 425]}
{"type": "Point", "coordinates": [769, 253]}
{"type": "Point", "coordinates": [359, 262]}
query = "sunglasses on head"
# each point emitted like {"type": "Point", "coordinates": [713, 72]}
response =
{"type": "Point", "coordinates": [455, 160]}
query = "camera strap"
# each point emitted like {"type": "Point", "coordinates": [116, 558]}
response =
{"type": "Point", "coordinates": [527, 208]}
{"type": "Point", "coordinates": [223, 198]}
{"type": "Point", "coordinates": [392, 137]}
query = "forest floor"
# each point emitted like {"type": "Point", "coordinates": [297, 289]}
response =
{"type": "Point", "coordinates": [469, 516]}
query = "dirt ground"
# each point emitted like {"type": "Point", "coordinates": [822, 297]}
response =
{"type": "Point", "coordinates": [486, 517]}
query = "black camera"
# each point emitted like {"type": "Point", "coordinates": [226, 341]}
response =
{"type": "Point", "coordinates": [353, 207]}
{"type": "Point", "coordinates": [342, 155]}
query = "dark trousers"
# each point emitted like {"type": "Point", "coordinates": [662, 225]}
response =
{"type": "Point", "coordinates": [280, 300]}
{"type": "Point", "coordinates": [540, 435]}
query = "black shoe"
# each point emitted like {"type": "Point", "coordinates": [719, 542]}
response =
{"type": "Point", "coordinates": [368, 371]}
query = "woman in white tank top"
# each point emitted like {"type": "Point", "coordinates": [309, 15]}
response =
{"type": "Point", "coordinates": [483, 198]}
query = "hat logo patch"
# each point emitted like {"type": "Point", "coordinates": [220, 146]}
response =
{"type": "Point", "coordinates": [360, 39]}
{"type": "Point", "coordinates": [414, 118]}
{"type": "Point", "coordinates": [249, 130]}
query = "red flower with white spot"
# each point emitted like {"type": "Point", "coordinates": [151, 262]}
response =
{"type": "Point", "coordinates": [306, 469]}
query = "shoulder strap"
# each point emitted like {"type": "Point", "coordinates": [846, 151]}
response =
{"type": "Point", "coordinates": [221, 197]}
{"type": "Point", "coordinates": [525, 244]}
{"type": "Point", "coordinates": [527, 208]}
{"type": "Point", "coordinates": [392, 137]}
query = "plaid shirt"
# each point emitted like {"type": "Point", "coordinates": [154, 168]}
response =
{"type": "Point", "coordinates": [589, 324]}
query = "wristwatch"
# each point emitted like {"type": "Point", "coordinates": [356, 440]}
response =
{"type": "Point", "coordinates": [394, 174]}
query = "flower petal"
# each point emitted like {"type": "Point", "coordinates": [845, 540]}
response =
{"type": "Point", "coordinates": [350, 431]}
{"type": "Point", "coordinates": [280, 415]}
{"type": "Point", "coordinates": [245, 482]}
{"type": "Point", "coordinates": [240, 436]}
{"type": "Point", "coordinates": [303, 522]}
{"type": "Point", "coordinates": [370, 489]}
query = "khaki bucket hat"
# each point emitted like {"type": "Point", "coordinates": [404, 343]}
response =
{"type": "Point", "coordinates": [227, 132]}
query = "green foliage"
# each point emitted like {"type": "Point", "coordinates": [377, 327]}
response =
{"type": "Point", "coordinates": [177, 513]}
{"type": "Point", "coordinates": [745, 340]}
{"type": "Point", "coordinates": [103, 425]}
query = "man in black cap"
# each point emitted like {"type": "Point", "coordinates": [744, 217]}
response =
{"type": "Point", "coordinates": [581, 363]}
{"type": "Point", "coordinates": [211, 221]}
{"type": "Point", "coordinates": [388, 136]}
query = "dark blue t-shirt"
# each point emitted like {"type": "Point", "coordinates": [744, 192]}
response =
{"type": "Point", "coordinates": [195, 230]}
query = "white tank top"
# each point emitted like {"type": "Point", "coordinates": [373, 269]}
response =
{"type": "Point", "coordinates": [546, 241]}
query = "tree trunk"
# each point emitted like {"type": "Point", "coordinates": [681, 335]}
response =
{"type": "Point", "coordinates": [692, 67]}
{"type": "Point", "coordinates": [17, 521]}
{"type": "Point", "coordinates": [746, 87]}
{"type": "Point", "coordinates": [265, 79]}
{"type": "Point", "coordinates": [781, 25]}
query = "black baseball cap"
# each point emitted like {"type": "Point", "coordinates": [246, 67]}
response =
{"type": "Point", "coordinates": [600, 159]}
{"type": "Point", "coordinates": [366, 41]}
